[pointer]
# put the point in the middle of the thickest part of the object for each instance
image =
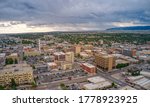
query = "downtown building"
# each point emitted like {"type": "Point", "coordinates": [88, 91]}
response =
{"type": "Point", "coordinates": [69, 57]}
{"type": "Point", "coordinates": [21, 73]}
{"type": "Point", "coordinates": [129, 52]}
{"type": "Point", "coordinates": [59, 56]}
{"type": "Point", "coordinates": [105, 61]}
{"type": "Point", "coordinates": [2, 59]}
{"type": "Point", "coordinates": [89, 68]}
{"type": "Point", "coordinates": [13, 56]}
{"type": "Point", "coordinates": [77, 49]}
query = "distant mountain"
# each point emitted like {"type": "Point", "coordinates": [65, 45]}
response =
{"type": "Point", "coordinates": [131, 28]}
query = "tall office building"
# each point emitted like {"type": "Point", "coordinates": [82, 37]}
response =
{"type": "Point", "coordinates": [129, 52]}
{"type": "Point", "coordinates": [105, 61]}
{"type": "Point", "coordinates": [59, 56]}
{"type": "Point", "coordinates": [77, 49]}
{"type": "Point", "coordinates": [70, 57]}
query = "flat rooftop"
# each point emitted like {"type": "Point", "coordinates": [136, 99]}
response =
{"type": "Point", "coordinates": [2, 54]}
{"type": "Point", "coordinates": [144, 82]}
{"type": "Point", "coordinates": [16, 68]}
{"type": "Point", "coordinates": [105, 55]}
{"type": "Point", "coordinates": [89, 65]}
{"type": "Point", "coordinates": [96, 79]}
{"type": "Point", "coordinates": [13, 54]}
{"type": "Point", "coordinates": [118, 61]}
{"type": "Point", "coordinates": [51, 64]}
{"type": "Point", "coordinates": [101, 85]}
{"type": "Point", "coordinates": [59, 53]}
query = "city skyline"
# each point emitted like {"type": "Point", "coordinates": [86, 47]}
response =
{"type": "Point", "coordinates": [21, 16]}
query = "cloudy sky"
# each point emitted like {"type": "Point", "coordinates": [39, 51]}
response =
{"type": "Point", "coordinates": [17, 16]}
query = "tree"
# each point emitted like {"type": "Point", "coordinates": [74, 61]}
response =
{"type": "Point", "coordinates": [9, 61]}
{"type": "Point", "coordinates": [24, 57]}
{"type": "Point", "coordinates": [63, 86]}
{"type": "Point", "coordinates": [134, 72]}
{"type": "Point", "coordinates": [1, 87]}
{"type": "Point", "coordinates": [13, 84]}
{"type": "Point", "coordinates": [122, 65]}
{"type": "Point", "coordinates": [114, 85]}
{"type": "Point", "coordinates": [16, 62]}
{"type": "Point", "coordinates": [26, 42]}
{"type": "Point", "coordinates": [34, 84]}
{"type": "Point", "coordinates": [79, 56]}
{"type": "Point", "coordinates": [33, 66]}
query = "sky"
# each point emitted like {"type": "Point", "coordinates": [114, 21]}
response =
{"type": "Point", "coordinates": [21, 16]}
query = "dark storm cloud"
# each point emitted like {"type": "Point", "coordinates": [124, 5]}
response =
{"type": "Point", "coordinates": [73, 12]}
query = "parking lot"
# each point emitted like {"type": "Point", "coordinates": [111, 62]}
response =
{"type": "Point", "coordinates": [60, 76]}
{"type": "Point", "coordinates": [145, 67]}
{"type": "Point", "coordinates": [33, 59]}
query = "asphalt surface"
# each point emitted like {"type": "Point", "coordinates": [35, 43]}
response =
{"type": "Point", "coordinates": [109, 77]}
{"type": "Point", "coordinates": [66, 81]}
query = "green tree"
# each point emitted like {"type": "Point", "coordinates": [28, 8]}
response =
{"type": "Point", "coordinates": [16, 61]}
{"type": "Point", "coordinates": [114, 85]}
{"type": "Point", "coordinates": [34, 84]}
{"type": "Point", "coordinates": [9, 61]}
{"type": "Point", "coordinates": [63, 86]}
{"type": "Point", "coordinates": [79, 56]}
{"type": "Point", "coordinates": [33, 66]}
{"type": "Point", "coordinates": [13, 84]}
{"type": "Point", "coordinates": [134, 72]}
{"type": "Point", "coordinates": [122, 65]}
{"type": "Point", "coordinates": [26, 42]}
{"type": "Point", "coordinates": [24, 57]}
{"type": "Point", "coordinates": [1, 87]}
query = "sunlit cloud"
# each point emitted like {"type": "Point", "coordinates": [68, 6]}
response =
{"type": "Point", "coordinates": [65, 15]}
{"type": "Point", "coordinates": [125, 24]}
{"type": "Point", "coordinates": [20, 27]}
